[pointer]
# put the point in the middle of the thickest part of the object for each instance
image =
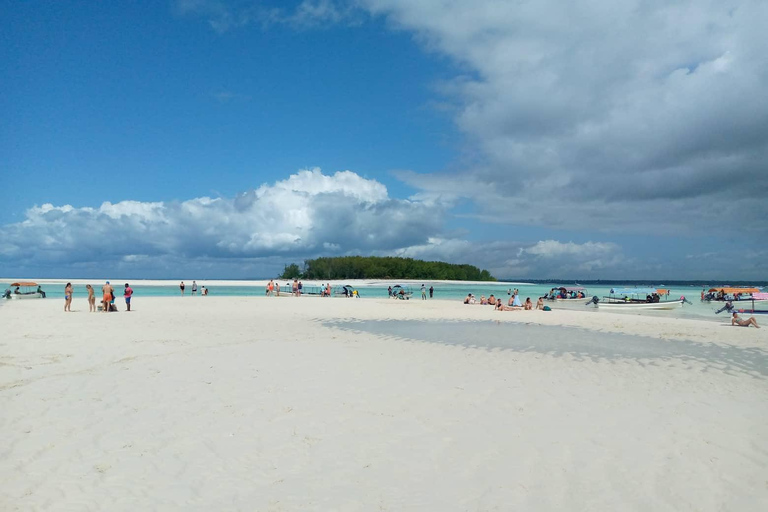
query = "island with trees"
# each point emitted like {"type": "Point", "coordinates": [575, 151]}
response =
{"type": "Point", "coordinates": [374, 267]}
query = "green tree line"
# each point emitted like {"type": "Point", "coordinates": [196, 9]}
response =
{"type": "Point", "coordinates": [374, 267]}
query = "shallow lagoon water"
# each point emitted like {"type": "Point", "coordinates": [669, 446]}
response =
{"type": "Point", "coordinates": [580, 344]}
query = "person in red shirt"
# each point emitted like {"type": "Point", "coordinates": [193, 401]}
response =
{"type": "Point", "coordinates": [128, 293]}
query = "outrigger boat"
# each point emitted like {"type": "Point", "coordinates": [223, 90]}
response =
{"type": "Point", "coordinates": [566, 293]}
{"type": "Point", "coordinates": [24, 290]}
{"type": "Point", "coordinates": [637, 298]}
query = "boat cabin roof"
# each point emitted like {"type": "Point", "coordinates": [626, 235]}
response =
{"type": "Point", "coordinates": [24, 283]}
{"type": "Point", "coordinates": [571, 288]}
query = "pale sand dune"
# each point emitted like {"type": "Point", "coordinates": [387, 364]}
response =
{"type": "Point", "coordinates": [265, 404]}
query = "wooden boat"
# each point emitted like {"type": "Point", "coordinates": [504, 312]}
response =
{"type": "Point", "coordinates": [24, 290]}
{"type": "Point", "coordinates": [637, 298]}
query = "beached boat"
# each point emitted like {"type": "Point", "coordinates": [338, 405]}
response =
{"type": "Point", "coordinates": [637, 298]}
{"type": "Point", "coordinates": [24, 290]}
{"type": "Point", "coordinates": [566, 294]}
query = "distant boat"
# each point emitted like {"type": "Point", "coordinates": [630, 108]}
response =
{"type": "Point", "coordinates": [734, 294]}
{"type": "Point", "coordinates": [637, 298]}
{"type": "Point", "coordinates": [566, 293]}
{"type": "Point", "coordinates": [401, 292]}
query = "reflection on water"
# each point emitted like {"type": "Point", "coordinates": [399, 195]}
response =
{"type": "Point", "coordinates": [580, 344]}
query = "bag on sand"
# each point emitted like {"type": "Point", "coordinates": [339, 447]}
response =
{"type": "Point", "coordinates": [547, 308]}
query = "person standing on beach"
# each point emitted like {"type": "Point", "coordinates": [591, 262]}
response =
{"type": "Point", "coordinates": [194, 287]}
{"type": "Point", "coordinates": [106, 296]}
{"type": "Point", "coordinates": [91, 299]}
{"type": "Point", "coordinates": [431, 291]}
{"type": "Point", "coordinates": [301, 287]}
{"type": "Point", "coordinates": [128, 293]}
{"type": "Point", "coordinates": [68, 297]}
{"type": "Point", "coordinates": [181, 287]}
{"type": "Point", "coordinates": [423, 292]}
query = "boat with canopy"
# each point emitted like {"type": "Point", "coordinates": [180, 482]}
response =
{"type": "Point", "coordinates": [732, 294]}
{"type": "Point", "coordinates": [566, 293]}
{"type": "Point", "coordinates": [638, 298]}
{"type": "Point", "coordinates": [24, 290]}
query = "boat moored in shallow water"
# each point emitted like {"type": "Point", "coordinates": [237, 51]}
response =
{"type": "Point", "coordinates": [566, 294]}
{"type": "Point", "coordinates": [24, 290]}
{"type": "Point", "coordinates": [734, 294]}
{"type": "Point", "coordinates": [637, 298]}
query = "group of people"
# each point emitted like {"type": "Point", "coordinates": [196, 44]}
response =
{"type": "Point", "coordinates": [107, 300]}
{"type": "Point", "coordinates": [512, 305]}
{"type": "Point", "coordinates": [183, 287]}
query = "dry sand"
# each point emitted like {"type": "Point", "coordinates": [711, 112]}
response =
{"type": "Point", "coordinates": [223, 403]}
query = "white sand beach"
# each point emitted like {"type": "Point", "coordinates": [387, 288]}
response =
{"type": "Point", "coordinates": [282, 404]}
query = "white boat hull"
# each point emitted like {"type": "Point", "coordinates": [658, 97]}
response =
{"type": "Point", "coordinates": [670, 304]}
{"type": "Point", "coordinates": [19, 296]}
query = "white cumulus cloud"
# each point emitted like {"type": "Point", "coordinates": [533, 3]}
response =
{"type": "Point", "coordinates": [308, 214]}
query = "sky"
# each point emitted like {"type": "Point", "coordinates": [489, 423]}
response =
{"type": "Point", "coordinates": [593, 139]}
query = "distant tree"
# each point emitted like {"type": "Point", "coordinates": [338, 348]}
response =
{"type": "Point", "coordinates": [373, 267]}
{"type": "Point", "coordinates": [291, 271]}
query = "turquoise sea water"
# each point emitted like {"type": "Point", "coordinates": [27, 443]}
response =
{"type": "Point", "coordinates": [443, 291]}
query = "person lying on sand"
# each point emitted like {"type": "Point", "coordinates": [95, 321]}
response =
{"type": "Point", "coordinates": [736, 320]}
{"type": "Point", "coordinates": [501, 307]}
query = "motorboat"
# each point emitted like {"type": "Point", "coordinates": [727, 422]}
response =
{"type": "Point", "coordinates": [637, 298]}
{"type": "Point", "coordinates": [747, 305]}
{"type": "Point", "coordinates": [566, 293]}
{"type": "Point", "coordinates": [345, 291]}
{"type": "Point", "coordinates": [24, 290]}
{"type": "Point", "coordinates": [733, 294]}
{"type": "Point", "coordinates": [401, 292]}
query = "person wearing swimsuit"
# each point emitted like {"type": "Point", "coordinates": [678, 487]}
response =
{"type": "Point", "coordinates": [181, 287]}
{"type": "Point", "coordinates": [91, 299]}
{"type": "Point", "coordinates": [106, 290]}
{"type": "Point", "coordinates": [68, 297]}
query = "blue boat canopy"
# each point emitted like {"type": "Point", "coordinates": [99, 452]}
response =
{"type": "Point", "coordinates": [633, 291]}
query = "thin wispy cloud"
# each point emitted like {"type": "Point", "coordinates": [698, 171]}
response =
{"type": "Point", "coordinates": [225, 16]}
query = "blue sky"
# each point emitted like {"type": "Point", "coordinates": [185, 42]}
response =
{"type": "Point", "coordinates": [604, 140]}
